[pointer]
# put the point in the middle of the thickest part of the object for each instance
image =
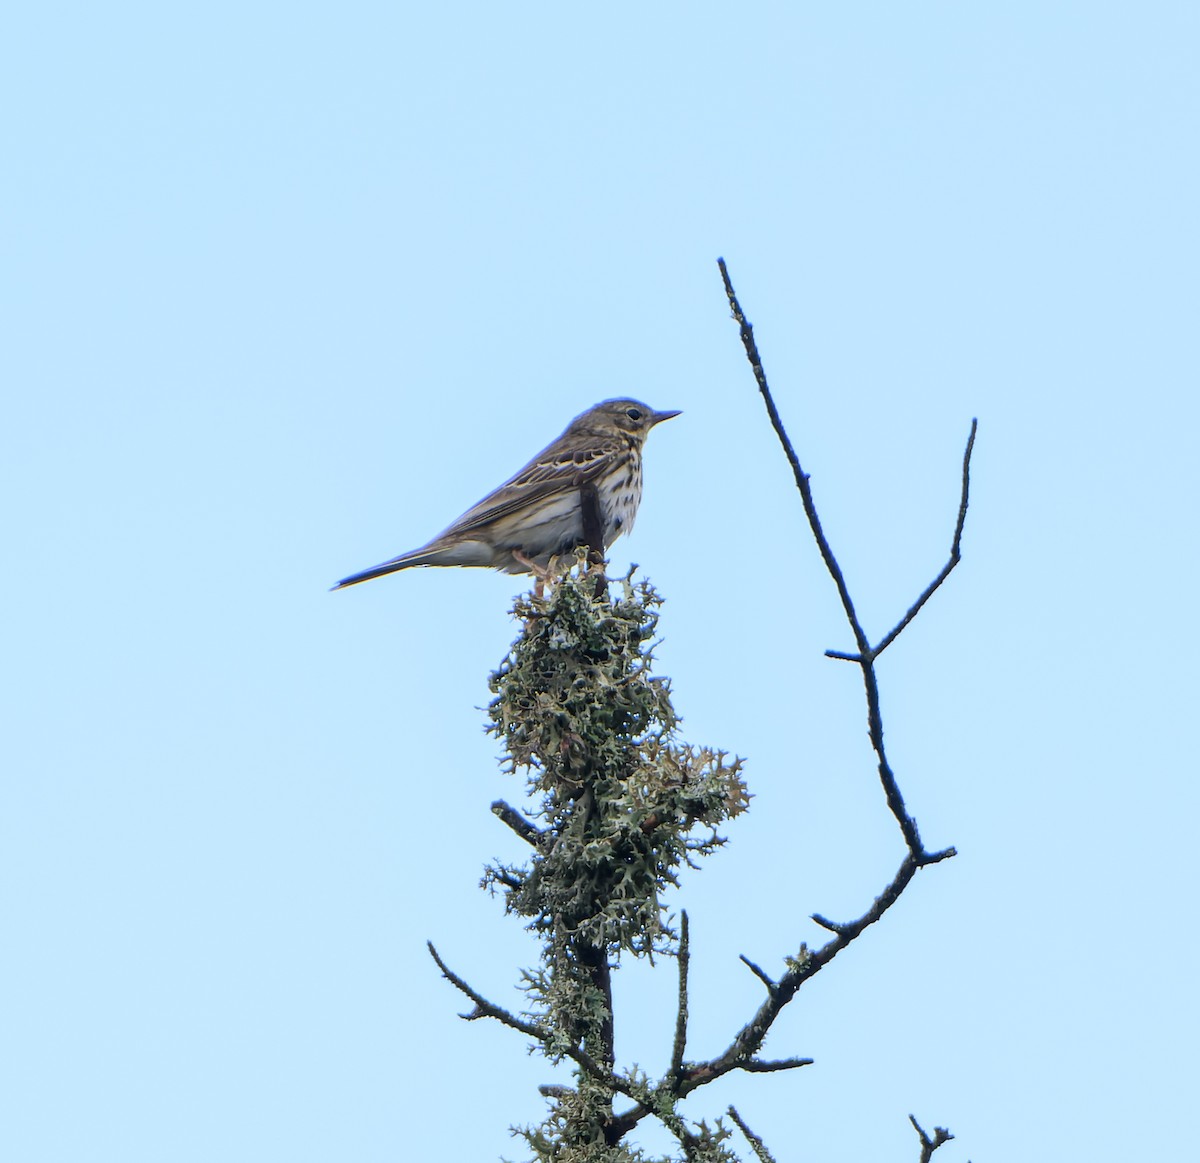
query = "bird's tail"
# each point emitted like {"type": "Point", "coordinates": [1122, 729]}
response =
{"type": "Point", "coordinates": [439, 551]}
{"type": "Point", "coordinates": [404, 561]}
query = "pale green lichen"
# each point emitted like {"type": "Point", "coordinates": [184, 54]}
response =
{"type": "Point", "coordinates": [577, 707]}
{"type": "Point", "coordinates": [623, 804]}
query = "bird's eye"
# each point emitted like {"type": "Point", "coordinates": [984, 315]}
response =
{"type": "Point", "coordinates": [633, 413]}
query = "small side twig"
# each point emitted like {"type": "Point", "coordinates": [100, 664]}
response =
{"type": "Point", "coordinates": [483, 1007]}
{"type": "Point", "coordinates": [486, 1009]}
{"type": "Point", "coordinates": [517, 822]}
{"type": "Point", "coordinates": [749, 1039]}
{"type": "Point", "coordinates": [826, 923]}
{"type": "Point", "coordinates": [756, 1144]}
{"type": "Point", "coordinates": [758, 972]}
{"type": "Point", "coordinates": [761, 1066]}
{"type": "Point", "coordinates": [928, 1145]}
{"type": "Point", "coordinates": [955, 549]}
{"type": "Point", "coordinates": [681, 1016]}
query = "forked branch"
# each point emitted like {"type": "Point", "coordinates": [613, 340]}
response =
{"type": "Point", "coordinates": [866, 655]}
{"type": "Point", "coordinates": [683, 1078]}
{"type": "Point", "coordinates": [748, 1040]}
{"type": "Point", "coordinates": [928, 1145]}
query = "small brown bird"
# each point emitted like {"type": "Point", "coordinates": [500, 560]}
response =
{"type": "Point", "coordinates": [538, 513]}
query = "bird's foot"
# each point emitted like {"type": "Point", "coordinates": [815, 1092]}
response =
{"type": "Point", "coordinates": [542, 575]}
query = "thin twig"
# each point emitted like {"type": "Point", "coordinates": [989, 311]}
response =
{"type": "Point", "coordinates": [928, 1145]}
{"type": "Point", "coordinates": [810, 509]}
{"type": "Point", "coordinates": [758, 972]}
{"type": "Point", "coordinates": [955, 550]}
{"type": "Point", "coordinates": [483, 1007]}
{"type": "Point", "coordinates": [739, 1055]}
{"type": "Point", "coordinates": [748, 1040]}
{"type": "Point", "coordinates": [487, 1009]}
{"type": "Point", "coordinates": [681, 1017]}
{"type": "Point", "coordinates": [517, 822]}
{"type": "Point", "coordinates": [762, 1066]}
{"type": "Point", "coordinates": [891, 789]}
{"type": "Point", "coordinates": [644, 1095]}
{"type": "Point", "coordinates": [756, 1144]}
{"type": "Point", "coordinates": [826, 923]}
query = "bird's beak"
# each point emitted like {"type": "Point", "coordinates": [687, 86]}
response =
{"type": "Point", "coordinates": [659, 417]}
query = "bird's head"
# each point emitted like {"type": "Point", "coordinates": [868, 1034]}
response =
{"type": "Point", "coordinates": [620, 417]}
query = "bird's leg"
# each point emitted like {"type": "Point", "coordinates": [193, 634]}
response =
{"type": "Point", "coordinates": [542, 575]}
{"type": "Point", "coordinates": [593, 534]}
{"type": "Point", "coordinates": [530, 565]}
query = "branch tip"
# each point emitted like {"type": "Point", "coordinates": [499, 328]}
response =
{"type": "Point", "coordinates": [761, 1066]}
{"type": "Point", "coordinates": [758, 972]}
{"type": "Point", "coordinates": [675, 1073]}
{"type": "Point", "coordinates": [928, 1145]}
{"type": "Point", "coordinates": [826, 923]}
{"type": "Point", "coordinates": [756, 1144]}
{"type": "Point", "coordinates": [928, 858]}
{"type": "Point", "coordinates": [509, 815]}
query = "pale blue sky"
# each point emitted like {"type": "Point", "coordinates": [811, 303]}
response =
{"type": "Point", "coordinates": [286, 288]}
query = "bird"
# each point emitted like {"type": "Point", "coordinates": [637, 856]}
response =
{"type": "Point", "coordinates": [537, 514]}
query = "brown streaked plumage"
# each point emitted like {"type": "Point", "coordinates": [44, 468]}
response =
{"type": "Point", "coordinates": [537, 514]}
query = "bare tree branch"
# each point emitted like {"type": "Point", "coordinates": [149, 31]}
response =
{"type": "Point", "coordinates": [928, 1145]}
{"type": "Point", "coordinates": [487, 1009]}
{"type": "Point", "coordinates": [955, 551]}
{"type": "Point", "coordinates": [756, 1144]}
{"type": "Point", "coordinates": [810, 509]}
{"type": "Point", "coordinates": [866, 656]}
{"type": "Point", "coordinates": [748, 1040]}
{"type": "Point", "coordinates": [623, 1123]}
{"type": "Point", "coordinates": [758, 972]}
{"type": "Point", "coordinates": [760, 1066]}
{"type": "Point", "coordinates": [483, 1007]}
{"type": "Point", "coordinates": [517, 822]}
{"type": "Point", "coordinates": [681, 1017]}
{"type": "Point", "coordinates": [740, 1054]}
{"type": "Point", "coordinates": [826, 923]}
{"type": "Point", "coordinates": [751, 1036]}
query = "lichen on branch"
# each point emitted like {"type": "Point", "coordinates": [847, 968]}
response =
{"type": "Point", "coordinates": [622, 801]}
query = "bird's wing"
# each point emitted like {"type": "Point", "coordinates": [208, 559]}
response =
{"type": "Point", "coordinates": [554, 470]}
